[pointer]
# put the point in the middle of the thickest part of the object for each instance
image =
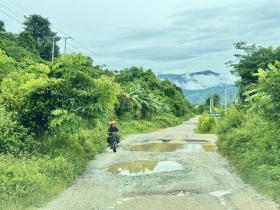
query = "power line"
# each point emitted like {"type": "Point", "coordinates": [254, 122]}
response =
{"type": "Point", "coordinates": [18, 5]}
{"type": "Point", "coordinates": [10, 7]}
{"type": "Point", "coordinates": [65, 42]}
{"type": "Point", "coordinates": [21, 7]}
{"type": "Point", "coordinates": [82, 45]}
{"type": "Point", "coordinates": [7, 14]}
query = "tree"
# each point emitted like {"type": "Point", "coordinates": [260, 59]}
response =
{"type": "Point", "coordinates": [26, 41]}
{"type": "Point", "coordinates": [216, 98]}
{"type": "Point", "coordinates": [40, 30]}
{"type": "Point", "coordinates": [248, 63]}
{"type": "Point", "coordinates": [2, 26]}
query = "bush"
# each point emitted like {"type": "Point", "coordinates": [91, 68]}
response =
{"type": "Point", "coordinates": [233, 119]}
{"type": "Point", "coordinates": [206, 123]}
{"type": "Point", "coordinates": [14, 138]}
{"type": "Point", "coordinates": [252, 145]}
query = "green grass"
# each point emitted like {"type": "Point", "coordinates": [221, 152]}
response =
{"type": "Point", "coordinates": [251, 143]}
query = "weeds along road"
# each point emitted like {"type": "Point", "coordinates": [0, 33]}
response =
{"type": "Point", "coordinates": [171, 169]}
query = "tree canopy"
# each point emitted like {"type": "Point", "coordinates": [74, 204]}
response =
{"type": "Point", "coordinates": [248, 62]}
{"type": "Point", "coordinates": [2, 26]}
{"type": "Point", "coordinates": [38, 35]}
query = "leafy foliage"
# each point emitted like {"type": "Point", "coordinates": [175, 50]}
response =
{"type": "Point", "coordinates": [206, 123]}
{"type": "Point", "coordinates": [37, 32]}
{"type": "Point", "coordinates": [53, 118]}
{"type": "Point", "coordinates": [248, 63]}
{"type": "Point", "coordinates": [216, 99]}
{"type": "Point", "coordinates": [249, 134]}
{"type": "Point", "coordinates": [2, 26]}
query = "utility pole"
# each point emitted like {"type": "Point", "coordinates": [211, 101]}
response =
{"type": "Point", "coordinates": [65, 42]}
{"type": "Point", "coordinates": [211, 104]}
{"type": "Point", "coordinates": [225, 98]}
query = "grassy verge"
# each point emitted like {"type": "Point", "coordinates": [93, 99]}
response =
{"type": "Point", "coordinates": [252, 145]}
{"type": "Point", "coordinates": [29, 182]}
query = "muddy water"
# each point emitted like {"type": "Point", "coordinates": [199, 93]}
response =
{"type": "Point", "coordinates": [168, 147]}
{"type": "Point", "coordinates": [157, 147]}
{"type": "Point", "coordinates": [194, 148]}
{"type": "Point", "coordinates": [209, 147]}
{"type": "Point", "coordinates": [141, 167]}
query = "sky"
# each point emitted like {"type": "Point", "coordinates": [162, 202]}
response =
{"type": "Point", "coordinates": [168, 36]}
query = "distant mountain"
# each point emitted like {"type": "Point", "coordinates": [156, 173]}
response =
{"type": "Point", "coordinates": [197, 86]}
{"type": "Point", "coordinates": [196, 80]}
{"type": "Point", "coordinates": [206, 72]}
{"type": "Point", "coordinates": [200, 96]}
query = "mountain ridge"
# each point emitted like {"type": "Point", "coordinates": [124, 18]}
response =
{"type": "Point", "coordinates": [198, 86]}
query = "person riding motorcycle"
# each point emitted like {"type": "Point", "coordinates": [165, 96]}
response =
{"type": "Point", "coordinates": [113, 129]}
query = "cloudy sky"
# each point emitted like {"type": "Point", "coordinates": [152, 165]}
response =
{"type": "Point", "coordinates": [169, 36]}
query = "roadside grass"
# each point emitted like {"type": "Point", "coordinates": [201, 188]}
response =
{"type": "Point", "coordinates": [251, 143]}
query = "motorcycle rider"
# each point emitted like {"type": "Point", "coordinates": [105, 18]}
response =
{"type": "Point", "coordinates": [112, 128]}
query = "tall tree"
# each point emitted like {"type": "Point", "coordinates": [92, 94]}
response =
{"type": "Point", "coordinates": [2, 26]}
{"type": "Point", "coordinates": [26, 41]}
{"type": "Point", "coordinates": [248, 62]}
{"type": "Point", "coordinates": [40, 30]}
{"type": "Point", "coordinates": [216, 98]}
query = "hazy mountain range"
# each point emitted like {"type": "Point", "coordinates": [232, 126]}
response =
{"type": "Point", "coordinates": [197, 86]}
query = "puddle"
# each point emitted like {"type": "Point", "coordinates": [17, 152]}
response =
{"type": "Point", "coordinates": [197, 141]}
{"type": "Point", "coordinates": [165, 147]}
{"type": "Point", "coordinates": [209, 147]}
{"type": "Point", "coordinates": [157, 147]}
{"type": "Point", "coordinates": [142, 167]}
{"type": "Point", "coordinates": [192, 148]}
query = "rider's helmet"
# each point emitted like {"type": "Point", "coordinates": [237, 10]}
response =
{"type": "Point", "coordinates": [113, 122]}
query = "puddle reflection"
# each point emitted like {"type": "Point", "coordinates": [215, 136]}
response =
{"type": "Point", "coordinates": [168, 147]}
{"type": "Point", "coordinates": [142, 167]}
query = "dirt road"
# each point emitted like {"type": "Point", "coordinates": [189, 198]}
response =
{"type": "Point", "coordinates": [171, 169]}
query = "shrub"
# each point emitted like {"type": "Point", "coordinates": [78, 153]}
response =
{"type": "Point", "coordinates": [14, 138]}
{"type": "Point", "coordinates": [206, 123]}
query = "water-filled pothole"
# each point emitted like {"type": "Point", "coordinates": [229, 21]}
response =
{"type": "Point", "coordinates": [196, 141]}
{"type": "Point", "coordinates": [157, 147]}
{"type": "Point", "coordinates": [198, 148]}
{"type": "Point", "coordinates": [142, 167]}
{"type": "Point", "coordinates": [166, 147]}
{"type": "Point", "coordinates": [209, 147]}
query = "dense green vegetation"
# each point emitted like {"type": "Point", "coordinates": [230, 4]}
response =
{"type": "Point", "coordinates": [54, 117]}
{"type": "Point", "coordinates": [249, 134]}
{"type": "Point", "coordinates": [208, 123]}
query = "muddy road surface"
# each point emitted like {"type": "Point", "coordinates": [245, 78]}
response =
{"type": "Point", "coordinates": [170, 169]}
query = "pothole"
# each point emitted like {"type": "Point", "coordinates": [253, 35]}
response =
{"type": "Point", "coordinates": [157, 147]}
{"type": "Point", "coordinates": [198, 141]}
{"type": "Point", "coordinates": [165, 140]}
{"type": "Point", "coordinates": [167, 147]}
{"type": "Point", "coordinates": [198, 148]}
{"type": "Point", "coordinates": [142, 167]}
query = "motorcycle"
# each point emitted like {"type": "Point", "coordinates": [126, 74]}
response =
{"type": "Point", "coordinates": [113, 141]}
